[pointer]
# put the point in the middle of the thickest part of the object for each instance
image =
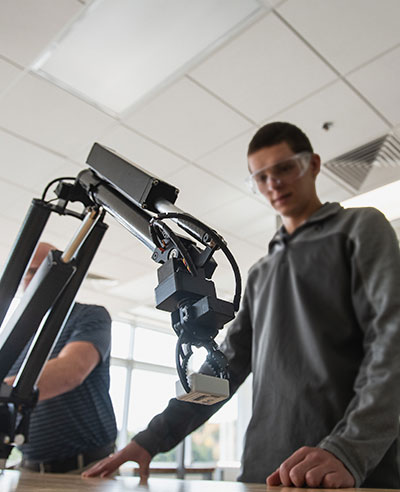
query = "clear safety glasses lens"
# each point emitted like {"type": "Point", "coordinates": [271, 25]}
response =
{"type": "Point", "coordinates": [283, 172]}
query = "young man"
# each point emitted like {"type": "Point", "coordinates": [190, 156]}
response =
{"type": "Point", "coordinates": [319, 328]}
{"type": "Point", "coordinates": [73, 424]}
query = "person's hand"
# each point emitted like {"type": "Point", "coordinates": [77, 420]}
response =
{"type": "Point", "coordinates": [312, 467]}
{"type": "Point", "coordinates": [10, 380]}
{"type": "Point", "coordinates": [131, 452]}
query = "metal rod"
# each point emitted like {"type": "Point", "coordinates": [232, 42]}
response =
{"type": "Point", "coordinates": [164, 207]}
{"type": "Point", "coordinates": [88, 222]}
{"type": "Point", "coordinates": [49, 333]}
{"type": "Point", "coordinates": [131, 216]}
{"type": "Point", "coordinates": [23, 248]}
{"type": "Point", "coordinates": [38, 298]}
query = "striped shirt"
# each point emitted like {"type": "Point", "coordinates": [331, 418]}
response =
{"type": "Point", "coordinates": [83, 418]}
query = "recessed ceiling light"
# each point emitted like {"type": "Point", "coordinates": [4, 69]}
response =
{"type": "Point", "coordinates": [120, 50]}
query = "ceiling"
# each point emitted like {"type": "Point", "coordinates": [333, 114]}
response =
{"type": "Point", "coordinates": [310, 62]}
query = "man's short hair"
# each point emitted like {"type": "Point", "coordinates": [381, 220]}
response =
{"type": "Point", "coordinates": [278, 132]}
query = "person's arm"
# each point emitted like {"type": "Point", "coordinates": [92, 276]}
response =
{"type": "Point", "coordinates": [370, 424]}
{"type": "Point", "coordinates": [66, 371]}
{"type": "Point", "coordinates": [180, 418]}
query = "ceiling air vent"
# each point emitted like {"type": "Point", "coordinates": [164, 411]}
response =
{"type": "Point", "coordinates": [353, 167]}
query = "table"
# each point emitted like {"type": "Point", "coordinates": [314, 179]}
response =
{"type": "Point", "coordinates": [15, 481]}
{"type": "Point", "coordinates": [205, 471]}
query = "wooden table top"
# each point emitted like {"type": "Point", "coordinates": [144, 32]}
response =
{"type": "Point", "coordinates": [15, 481]}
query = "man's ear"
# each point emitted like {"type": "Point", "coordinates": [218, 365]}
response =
{"type": "Point", "coordinates": [315, 164]}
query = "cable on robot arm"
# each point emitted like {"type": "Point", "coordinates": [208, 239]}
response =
{"type": "Point", "coordinates": [218, 240]}
{"type": "Point", "coordinates": [155, 224]}
{"type": "Point", "coordinates": [55, 181]}
{"type": "Point", "coordinates": [62, 210]}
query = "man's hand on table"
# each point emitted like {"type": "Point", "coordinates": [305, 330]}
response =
{"type": "Point", "coordinates": [312, 467]}
{"type": "Point", "coordinates": [131, 452]}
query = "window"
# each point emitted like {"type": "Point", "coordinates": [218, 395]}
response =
{"type": "Point", "coordinates": [149, 395]}
{"type": "Point", "coordinates": [143, 377]}
{"type": "Point", "coordinates": [121, 334]}
{"type": "Point", "coordinates": [154, 347]}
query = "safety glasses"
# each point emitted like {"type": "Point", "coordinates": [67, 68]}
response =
{"type": "Point", "coordinates": [284, 172]}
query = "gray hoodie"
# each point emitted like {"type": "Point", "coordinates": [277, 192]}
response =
{"type": "Point", "coordinates": [319, 328]}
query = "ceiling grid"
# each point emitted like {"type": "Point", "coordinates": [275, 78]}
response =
{"type": "Point", "coordinates": [307, 61]}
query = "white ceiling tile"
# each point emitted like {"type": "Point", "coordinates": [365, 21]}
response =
{"type": "Point", "coordinates": [80, 154]}
{"type": "Point", "coordinates": [330, 190]}
{"type": "Point", "coordinates": [10, 229]}
{"type": "Point", "coordinates": [354, 122]}
{"type": "Point", "coordinates": [149, 34]}
{"type": "Point", "coordinates": [8, 74]}
{"type": "Point", "coordinates": [229, 161]}
{"type": "Point", "coordinates": [14, 201]}
{"type": "Point", "coordinates": [68, 169]}
{"type": "Point", "coordinates": [145, 154]}
{"type": "Point", "coordinates": [272, 3]}
{"type": "Point", "coordinates": [242, 217]}
{"type": "Point", "coordinates": [114, 304]}
{"type": "Point", "coordinates": [39, 111]}
{"type": "Point", "coordinates": [141, 289]}
{"type": "Point", "coordinates": [116, 238]}
{"type": "Point", "coordinates": [138, 253]}
{"type": "Point", "coordinates": [115, 267]}
{"type": "Point", "coordinates": [187, 119]}
{"type": "Point", "coordinates": [4, 254]}
{"type": "Point", "coordinates": [379, 82]}
{"type": "Point", "coordinates": [264, 70]}
{"type": "Point", "coordinates": [347, 33]}
{"type": "Point", "coordinates": [56, 237]}
{"type": "Point", "coordinates": [27, 27]}
{"type": "Point", "coordinates": [60, 229]}
{"type": "Point", "coordinates": [246, 253]}
{"type": "Point", "coordinates": [200, 192]}
{"type": "Point", "coordinates": [29, 166]}
{"type": "Point", "coordinates": [112, 260]}
{"type": "Point", "coordinates": [125, 265]}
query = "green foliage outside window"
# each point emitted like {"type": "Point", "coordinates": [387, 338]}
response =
{"type": "Point", "coordinates": [205, 444]}
{"type": "Point", "coordinates": [168, 457]}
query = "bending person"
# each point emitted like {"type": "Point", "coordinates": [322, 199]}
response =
{"type": "Point", "coordinates": [73, 424]}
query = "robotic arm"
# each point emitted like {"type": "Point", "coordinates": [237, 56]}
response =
{"type": "Point", "coordinates": [143, 204]}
